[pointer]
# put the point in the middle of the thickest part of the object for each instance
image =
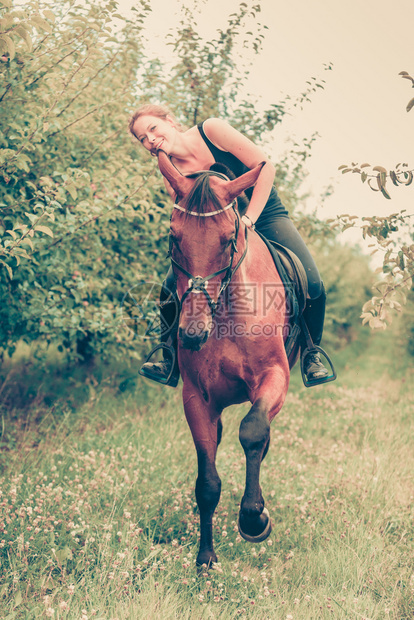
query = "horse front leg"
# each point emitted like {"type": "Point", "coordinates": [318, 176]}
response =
{"type": "Point", "coordinates": [254, 520]}
{"type": "Point", "coordinates": [205, 426]}
{"type": "Point", "coordinates": [208, 489]}
{"type": "Point", "coordinates": [254, 435]}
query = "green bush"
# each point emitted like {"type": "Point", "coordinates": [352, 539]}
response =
{"type": "Point", "coordinates": [78, 204]}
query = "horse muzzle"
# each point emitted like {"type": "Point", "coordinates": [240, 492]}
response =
{"type": "Point", "coordinates": [193, 337]}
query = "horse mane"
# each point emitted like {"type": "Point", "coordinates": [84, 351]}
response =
{"type": "Point", "coordinates": [201, 194]}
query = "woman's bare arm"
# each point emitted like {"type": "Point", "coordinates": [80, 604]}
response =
{"type": "Point", "coordinates": [225, 137]}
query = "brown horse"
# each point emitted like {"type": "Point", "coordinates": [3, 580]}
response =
{"type": "Point", "coordinates": [232, 328]}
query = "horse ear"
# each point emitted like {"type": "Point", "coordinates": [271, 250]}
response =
{"type": "Point", "coordinates": [180, 184]}
{"type": "Point", "coordinates": [248, 179]}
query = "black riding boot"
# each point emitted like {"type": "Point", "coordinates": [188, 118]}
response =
{"type": "Point", "coordinates": [314, 316]}
{"type": "Point", "coordinates": [166, 372]}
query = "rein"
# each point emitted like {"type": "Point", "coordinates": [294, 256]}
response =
{"type": "Point", "coordinates": [197, 284]}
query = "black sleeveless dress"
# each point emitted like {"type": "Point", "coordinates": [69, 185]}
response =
{"type": "Point", "coordinates": [273, 208]}
{"type": "Point", "coordinates": [274, 222]}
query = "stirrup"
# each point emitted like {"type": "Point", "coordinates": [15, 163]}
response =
{"type": "Point", "coordinates": [320, 381]}
{"type": "Point", "coordinates": [174, 375]}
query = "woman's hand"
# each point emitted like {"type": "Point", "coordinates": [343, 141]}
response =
{"type": "Point", "coordinates": [247, 221]}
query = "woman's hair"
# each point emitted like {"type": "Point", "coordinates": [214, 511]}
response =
{"type": "Point", "coordinates": [153, 109]}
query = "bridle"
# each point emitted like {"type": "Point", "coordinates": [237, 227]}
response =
{"type": "Point", "coordinates": [197, 284]}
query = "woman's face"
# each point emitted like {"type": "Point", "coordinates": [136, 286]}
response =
{"type": "Point", "coordinates": [155, 133]}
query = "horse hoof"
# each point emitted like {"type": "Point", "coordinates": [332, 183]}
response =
{"type": "Point", "coordinates": [206, 560]}
{"type": "Point", "coordinates": [259, 537]}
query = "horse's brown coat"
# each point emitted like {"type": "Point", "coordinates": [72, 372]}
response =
{"type": "Point", "coordinates": [234, 368]}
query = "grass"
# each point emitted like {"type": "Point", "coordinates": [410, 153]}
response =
{"type": "Point", "coordinates": [98, 517]}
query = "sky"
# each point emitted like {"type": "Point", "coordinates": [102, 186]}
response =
{"type": "Point", "coordinates": [361, 113]}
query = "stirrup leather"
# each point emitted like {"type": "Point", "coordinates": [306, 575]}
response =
{"type": "Point", "coordinates": [174, 374]}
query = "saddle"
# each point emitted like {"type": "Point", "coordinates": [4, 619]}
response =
{"type": "Point", "coordinates": [293, 276]}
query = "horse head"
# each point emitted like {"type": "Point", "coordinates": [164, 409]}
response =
{"type": "Point", "coordinates": [206, 239]}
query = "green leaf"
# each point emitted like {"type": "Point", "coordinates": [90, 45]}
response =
{"type": "Point", "coordinates": [72, 191]}
{"type": "Point", "coordinates": [394, 177]}
{"type": "Point", "coordinates": [21, 251]}
{"type": "Point", "coordinates": [28, 241]}
{"type": "Point", "coordinates": [41, 23]}
{"type": "Point", "coordinates": [49, 15]}
{"type": "Point", "coordinates": [44, 229]}
{"type": "Point", "coordinates": [59, 289]}
{"type": "Point", "coordinates": [410, 105]}
{"type": "Point", "coordinates": [374, 189]}
{"type": "Point", "coordinates": [9, 45]}
{"type": "Point", "coordinates": [385, 193]}
{"type": "Point", "coordinates": [366, 316]}
{"type": "Point", "coordinates": [18, 598]}
{"type": "Point", "coordinates": [376, 323]}
{"type": "Point", "coordinates": [381, 180]}
{"type": "Point", "coordinates": [64, 554]}
{"type": "Point", "coordinates": [32, 217]}
{"type": "Point", "coordinates": [10, 272]}
{"type": "Point", "coordinates": [409, 176]}
{"type": "Point", "coordinates": [24, 34]}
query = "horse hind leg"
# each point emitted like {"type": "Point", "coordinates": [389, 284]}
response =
{"type": "Point", "coordinates": [254, 521]}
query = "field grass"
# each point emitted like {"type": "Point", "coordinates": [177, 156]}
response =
{"type": "Point", "coordinates": [98, 517]}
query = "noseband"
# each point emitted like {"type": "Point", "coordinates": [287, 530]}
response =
{"type": "Point", "coordinates": [197, 284]}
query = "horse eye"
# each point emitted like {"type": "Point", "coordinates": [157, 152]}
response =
{"type": "Point", "coordinates": [174, 240]}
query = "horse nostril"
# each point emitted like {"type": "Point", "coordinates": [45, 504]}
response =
{"type": "Point", "coordinates": [190, 339]}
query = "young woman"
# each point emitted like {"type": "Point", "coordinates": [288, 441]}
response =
{"type": "Point", "coordinates": [198, 148]}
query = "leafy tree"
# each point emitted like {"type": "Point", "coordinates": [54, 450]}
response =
{"type": "Point", "coordinates": [398, 256]}
{"type": "Point", "coordinates": [76, 201]}
{"type": "Point", "coordinates": [347, 279]}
